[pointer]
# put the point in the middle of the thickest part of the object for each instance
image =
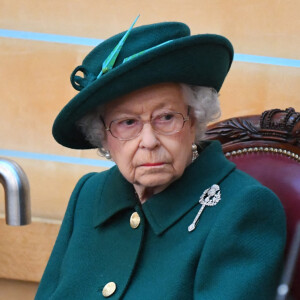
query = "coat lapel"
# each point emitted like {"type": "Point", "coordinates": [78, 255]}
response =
{"type": "Point", "coordinates": [166, 208]}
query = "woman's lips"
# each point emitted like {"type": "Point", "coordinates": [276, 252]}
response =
{"type": "Point", "coordinates": [153, 164]}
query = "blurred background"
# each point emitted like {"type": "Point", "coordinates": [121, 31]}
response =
{"type": "Point", "coordinates": [41, 42]}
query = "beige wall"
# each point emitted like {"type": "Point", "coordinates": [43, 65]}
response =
{"type": "Point", "coordinates": [17, 289]}
{"type": "Point", "coordinates": [35, 84]}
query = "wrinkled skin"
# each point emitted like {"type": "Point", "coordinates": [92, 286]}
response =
{"type": "Point", "coordinates": [151, 161]}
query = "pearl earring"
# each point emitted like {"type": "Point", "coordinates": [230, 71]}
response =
{"type": "Point", "coordinates": [104, 153]}
{"type": "Point", "coordinates": [194, 152]}
{"type": "Point", "coordinates": [107, 155]}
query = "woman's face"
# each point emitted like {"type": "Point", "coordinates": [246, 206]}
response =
{"type": "Point", "coordinates": [151, 161]}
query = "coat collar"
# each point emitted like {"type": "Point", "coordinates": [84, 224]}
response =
{"type": "Point", "coordinates": [165, 208]}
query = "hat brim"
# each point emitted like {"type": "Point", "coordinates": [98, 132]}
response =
{"type": "Point", "coordinates": [202, 60]}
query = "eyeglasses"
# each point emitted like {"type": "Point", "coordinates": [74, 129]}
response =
{"type": "Point", "coordinates": [129, 128]}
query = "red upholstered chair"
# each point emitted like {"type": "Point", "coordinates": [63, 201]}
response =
{"type": "Point", "coordinates": [267, 147]}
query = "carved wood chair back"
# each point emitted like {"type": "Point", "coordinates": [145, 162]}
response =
{"type": "Point", "coordinates": [267, 147]}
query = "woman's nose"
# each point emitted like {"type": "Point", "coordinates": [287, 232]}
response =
{"type": "Point", "coordinates": [148, 138]}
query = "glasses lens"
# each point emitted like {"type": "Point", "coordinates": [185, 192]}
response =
{"type": "Point", "coordinates": [129, 128]}
{"type": "Point", "coordinates": [126, 129]}
{"type": "Point", "coordinates": [168, 123]}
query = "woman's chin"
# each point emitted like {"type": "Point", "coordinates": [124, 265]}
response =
{"type": "Point", "coordinates": [155, 180]}
{"type": "Point", "coordinates": [155, 177]}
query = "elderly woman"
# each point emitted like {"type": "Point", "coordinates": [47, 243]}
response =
{"type": "Point", "coordinates": [174, 219]}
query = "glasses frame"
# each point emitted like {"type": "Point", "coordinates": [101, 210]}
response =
{"type": "Point", "coordinates": [185, 119]}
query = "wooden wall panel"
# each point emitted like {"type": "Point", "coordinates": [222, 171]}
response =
{"type": "Point", "coordinates": [35, 85]}
{"type": "Point", "coordinates": [25, 250]}
{"type": "Point", "coordinates": [265, 27]}
{"type": "Point", "coordinates": [16, 289]}
{"type": "Point", "coordinates": [253, 88]}
{"type": "Point", "coordinates": [51, 185]}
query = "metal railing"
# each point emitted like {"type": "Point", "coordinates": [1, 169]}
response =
{"type": "Point", "coordinates": [17, 193]}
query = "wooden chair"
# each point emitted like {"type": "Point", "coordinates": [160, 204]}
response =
{"type": "Point", "coordinates": [267, 147]}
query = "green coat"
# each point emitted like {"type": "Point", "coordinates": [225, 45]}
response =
{"type": "Point", "coordinates": [234, 253]}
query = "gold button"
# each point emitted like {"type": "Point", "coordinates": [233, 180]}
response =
{"type": "Point", "coordinates": [135, 220]}
{"type": "Point", "coordinates": [109, 289]}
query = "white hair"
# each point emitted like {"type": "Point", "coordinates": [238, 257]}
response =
{"type": "Point", "coordinates": [205, 105]}
{"type": "Point", "coordinates": [203, 101]}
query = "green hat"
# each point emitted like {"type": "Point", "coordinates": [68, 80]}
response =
{"type": "Point", "coordinates": [156, 53]}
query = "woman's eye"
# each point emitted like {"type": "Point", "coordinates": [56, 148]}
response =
{"type": "Point", "coordinates": [127, 122]}
{"type": "Point", "coordinates": [166, 117]}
